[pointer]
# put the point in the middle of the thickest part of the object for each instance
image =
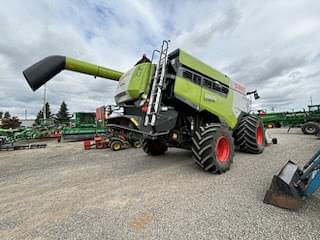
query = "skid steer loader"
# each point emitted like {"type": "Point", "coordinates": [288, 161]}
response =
{"type": "Point", "coordinates": [181, 102]}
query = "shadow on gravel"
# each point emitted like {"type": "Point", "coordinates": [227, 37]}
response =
{"type": "Point", "coordinates": [169, 159]}
{"type": "Point", "coordinates": [172, 156]}
{"type": "Point", "coordinates": [292, 133]}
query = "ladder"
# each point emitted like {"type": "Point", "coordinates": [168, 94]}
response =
{"type": "Point", "coordinates": [157, 86]}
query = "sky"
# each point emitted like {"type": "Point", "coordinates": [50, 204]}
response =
{"type": "Point", "coordinates": [271, 46]}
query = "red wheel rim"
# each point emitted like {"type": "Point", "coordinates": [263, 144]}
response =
{"type": "Point", "coordinates": [259, 135]}
{"type": "Point", "coordinates": [222, 149]}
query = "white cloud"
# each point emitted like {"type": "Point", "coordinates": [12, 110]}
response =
{"type": "Point", "coordinates": [268, 45]}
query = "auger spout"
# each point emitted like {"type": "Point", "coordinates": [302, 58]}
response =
{"type": "Point", "coordinates": [42, 71]}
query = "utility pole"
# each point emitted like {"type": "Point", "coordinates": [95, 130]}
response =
{"type": "Point", "coordinates": [25, 114]}
{"type": "Point", "coordinates": [311, 100]}
{"type": "Point", "coordinates": [272, 108]}
{"type": "Point", "coordinates": [44, 103]}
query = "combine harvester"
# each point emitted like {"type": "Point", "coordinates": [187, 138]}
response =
{"type": "Point", "coordinates": [292, 185]}
{"type": "Point", "coordinates": [181, 102]}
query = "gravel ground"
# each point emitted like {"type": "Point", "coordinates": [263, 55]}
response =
{"type": "Point", "coordinates": [64, 192]}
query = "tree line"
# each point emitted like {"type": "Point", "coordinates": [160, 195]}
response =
{"type": "Point", "coordinates": [5, 115]}
{"type": "Point", "coordinates": [8, 122]}
{"type": "Point", "coordinates": [61, 117]}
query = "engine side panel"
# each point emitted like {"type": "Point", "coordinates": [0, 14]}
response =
{"type": "Point", "coordinates": [205, 88]}
{"type": "Point", "coordinates": [199, 66]}
{"type": "Point", "coordinates": [188, 91]}
{"type": "Point", "coordinates": [219, 105]}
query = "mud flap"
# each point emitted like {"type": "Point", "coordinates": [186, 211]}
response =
{"type": "Point", "coordinates": [284, 191]}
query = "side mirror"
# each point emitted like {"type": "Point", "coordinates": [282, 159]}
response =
{"type": "Point", "coordinates": [256, 96]}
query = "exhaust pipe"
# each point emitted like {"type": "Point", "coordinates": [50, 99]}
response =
{"type": "Point", "coordinates": [41, 72]}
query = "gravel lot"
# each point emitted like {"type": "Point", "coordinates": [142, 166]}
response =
{"type": "Point", "coordinates": [65, 192]}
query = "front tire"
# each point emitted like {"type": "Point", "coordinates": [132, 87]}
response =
{"type": "Point", "coordinates": [250, 135]}
{"type": "Point", "coordinates": [154, 147]}
{"type": "Point", "coordinates": [116, 146]}
{"type": "Point", "coordinates": [213, 148]}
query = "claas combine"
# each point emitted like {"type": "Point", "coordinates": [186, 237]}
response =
{"type": "Point", "coordinates": [181, 102]}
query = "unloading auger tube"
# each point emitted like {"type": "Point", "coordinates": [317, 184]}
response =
{"type": "Point", "coordinates": [42, 71]}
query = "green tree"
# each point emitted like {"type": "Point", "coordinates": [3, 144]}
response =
{"type": "Point", "coordinates": [63, 115]}
{"type": "Point", "coordinates": [39, 118]}
{"type": "Point", "coordinates": [10, 123]}
{"type": "Point", "coordinates": [48, 111]}
{"type": "Point", "coordinates": [7, 115]}
{"type": "Point", "coordinates": [1, 115]}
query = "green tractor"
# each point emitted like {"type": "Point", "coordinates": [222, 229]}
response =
{"type": "Point", "coordinates": [181, 102]}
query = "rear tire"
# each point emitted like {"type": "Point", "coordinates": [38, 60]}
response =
{"type": "Point", "coordinates": [154, 147]}
{"type": "Point", "coordinates": [213, 148]}
{"type": "Point", "coordinates": [311, 128]}
{"type": "Point", "coordinates": [250, 135]}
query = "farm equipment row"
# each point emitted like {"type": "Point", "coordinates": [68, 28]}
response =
{"type": "Point", "coordinates": [22, 134]}
{"type": "Point", "coordinates": [15, 146]}
{"type": "Point", "coordinates": [9, 137]}
{"type": "Point", "coordinates": [84, 127]}
{"type": "Point", "coordinates": [124, 135]}
{"type": "Point", "coordinates": [309, 121]}
{"type": "Point", "coordinates": [115, 141]}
